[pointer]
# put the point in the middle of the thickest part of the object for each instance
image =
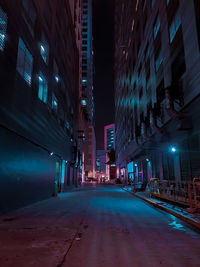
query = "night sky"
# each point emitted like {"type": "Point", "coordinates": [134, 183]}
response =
{"type": "Point", "coordinates": [103, 34]}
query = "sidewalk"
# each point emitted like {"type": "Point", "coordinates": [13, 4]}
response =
{"type": "Point", "coordinates": [181, 213]}
{"type": "Point", "coordinates": [41, 234]}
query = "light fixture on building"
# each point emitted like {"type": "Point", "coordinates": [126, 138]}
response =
{"type": "Point", "coordinates": [40, 78]}
{"type": "Point", "coordinates": [51, 154]}
{"type": "Point", "coordinates": [173, 149]}
{"type": "Point", "coordinates": [147, 160]}
{"type": "Point", "coordinates": [135, 164]}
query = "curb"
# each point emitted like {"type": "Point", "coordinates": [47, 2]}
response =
{"type": "Point", "coordinates": [183, 218]}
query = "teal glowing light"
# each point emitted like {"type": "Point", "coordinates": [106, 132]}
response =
{"type": "Point", "coordinates": [173, 149]}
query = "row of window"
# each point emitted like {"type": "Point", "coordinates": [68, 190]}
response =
{"type": "Point", "coordinates": [25, 62]}
{"type": "Point", "coordinates": [24, 67]}
{"type": "Point", "coordinates": [175, 25]}
{"type": "Point", "coordinates": [3, 28]}
{"type": "Point", "coordinates": [173, 29]}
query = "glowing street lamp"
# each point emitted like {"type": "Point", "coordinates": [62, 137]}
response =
{"type": "Point", "coordinates": [173, 149]}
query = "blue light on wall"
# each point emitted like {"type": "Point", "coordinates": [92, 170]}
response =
{"type": "Point", "coordinates": [173, 149]}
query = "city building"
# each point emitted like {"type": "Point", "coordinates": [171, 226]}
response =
{"type": "Point", "coordinates": [101, 163]}
{"type": "Point", "coordinates": [109, 137]}
{"type": "Point", "coordinates": [38, 101]}
{"type": "Point", "coordinates": [76, 14]}
{"type": "Point", "coordinates": [86, 118]}
{"type": "Point", "coordinates": [157, 85]}
{"type": "Point", "coordinates": [109, 145]}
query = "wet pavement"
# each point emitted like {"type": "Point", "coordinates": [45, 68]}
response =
{"type": "Point", "coordinates": [96, 227]}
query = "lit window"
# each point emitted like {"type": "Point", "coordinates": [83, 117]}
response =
{"type": "Point", "coordinates": [44, 50]}
{"type": "Point", "coordinates": [156, 28]}
{"type": "Point", "coordinates": [42, 88]}
{"type": "Point", "coordinates": [67, 125]}
{"type": "Point", "coordinates": [176, 23]}
{"type": "Point", "coordinates": [24, 62]}
{"type": "Point", "coordinates": [57, 78]}
{"type": "Point", "coordinates": [3, 28]}
{"type": "Point", "coordinates": [55, 69]}
{"type": "Point", "coordinates": [167, 2]}
{"type": "Point", "coordinates": [83, 103]}
{"type": "Point", "coordinates": [54, 103]}
{"type": "Point", "coordinates": [158, 62]}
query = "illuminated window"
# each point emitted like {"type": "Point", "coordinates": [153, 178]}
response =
{"type": "Point", "coordinates": [55, 69]}
{"type": "Point", "coordinates": [42, 88]}
{"type": "Point", "coordinates": [167, 2]}
{"type": "Point", "coordinates": [156, 28]}
{"type": "Point", "coordinates": [44, 50]}
{"type": "Point", "coordinates": [83, 103]}
{"type": "Point", "coordinates": [158, 62]}
{"type": "Point", "coordinates": [24, 62]}
{"type": "Point", "coordinates": [54, 103]}
{"type": "Point", "coordinates": [176, 23]}
{"type": "Point", "coordinates": [3, 28]}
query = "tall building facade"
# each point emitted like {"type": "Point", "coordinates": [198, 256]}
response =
{"type": "Point", "coordinates": [38, 100]}
{"type": "Point", "coordinates": [157, 85]}
{"type": "Point", "coordinates": [109, 145]}
{"type": "Point", "coordinates": [86, 125]}
{"type": "Point", "coordinates": [109, 137]}
{"type": "Point", "coordinates": [101, 162]}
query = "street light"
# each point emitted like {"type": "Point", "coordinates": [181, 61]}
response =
{"type": "Point", "coordinates": [173, 149]}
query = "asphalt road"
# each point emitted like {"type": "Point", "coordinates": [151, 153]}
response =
{"type": "Point", "coordinates": [120, 230]}
{"type": "Point", "coordinates": [96, 227]}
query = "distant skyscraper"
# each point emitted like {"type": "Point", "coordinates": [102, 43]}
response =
{"type": "Point", "coordinates": [109, 137]}
{"type": "Point", "coordinates": [86, 114]}
{"type": "Point", "coordinates": [109, 144]}
{"type": "Point", "coordinates": [87, 99]}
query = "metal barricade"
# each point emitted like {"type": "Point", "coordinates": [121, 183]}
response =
{"type": "Point", "coordinates": [194, 195]}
